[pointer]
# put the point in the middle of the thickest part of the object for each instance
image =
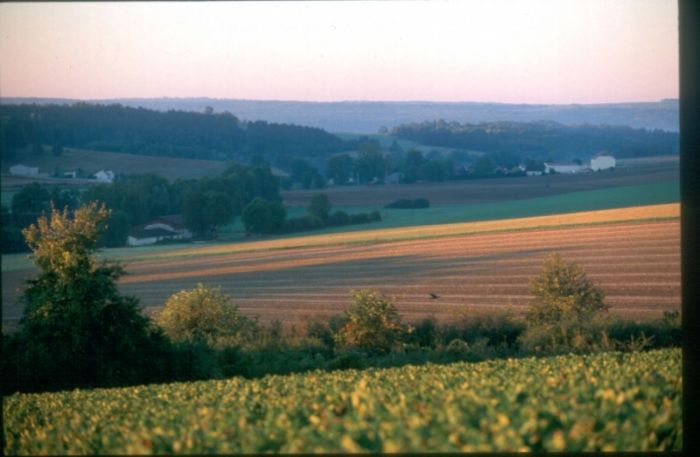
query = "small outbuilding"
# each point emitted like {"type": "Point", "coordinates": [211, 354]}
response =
{"type": "Point", "coordinates": [564, 168]}
{"type": "Point", "coordinates": [393, 178]}
{"type": "Point", "coordinates": [104, 176]}
{"type": "Point", "coordinates": [23, 170]}
{"type": "Point", "coordinates": [603, 161]}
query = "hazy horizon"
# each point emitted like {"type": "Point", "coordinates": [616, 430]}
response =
{"type": "Point", "coordinates": [455, 102]}
{"type": "Point", "coordinates": [500, 51]}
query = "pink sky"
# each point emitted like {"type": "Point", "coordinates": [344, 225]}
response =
{"type": "Point", "coordinates": [512, 51]}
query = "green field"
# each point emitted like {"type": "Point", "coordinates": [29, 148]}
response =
{"type": "Point", "coordinates": [614, 197]}
{"type": "Point", "coordinates": [603, 402]}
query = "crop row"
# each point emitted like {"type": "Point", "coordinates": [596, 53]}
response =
{"type": "Point", "coordinates": [603, 402]}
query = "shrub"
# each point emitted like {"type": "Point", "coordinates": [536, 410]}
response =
{"type": "Point", "coordinates": [568, 312]}
{"type": "Point", "coordinates": [339, 218]}
{"type": "Point", "coordinates": [373, 324]}
{"type": "Point", "coordinates": [425, 333]}
{"type": "Point", "coordinates": [407, 203]}
{"type": "Point", "coordinates": [359, 218]}
{"type": "Point", "coordinates": [500, 331]}
{"type": "Point", "coordinates": [320, 206]}
{"type": "Point", "coordinates": [262, 216]}
{"type": "Point", "coordinates": [205, 315]}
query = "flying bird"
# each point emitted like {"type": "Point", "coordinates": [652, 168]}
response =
{"type": "Point", "coordinates": [433, 296]}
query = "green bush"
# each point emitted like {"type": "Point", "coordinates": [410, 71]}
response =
{"type": "Point", "coordinates": [205, 315]}
{"type": "Point", "coordinates": [407, 203]}
{"type": "Point", "coordinates": [339, 218]}
{"type": "Point", "coordinates": [425, 333]}
{"type": "Point", "coordinates": [499, 330]}
{"type": "Point", "coordinates": [568, 312]}
{"type": "Point", "coordinates": [262, 216]}
{"type": "Point", "coordinates": [373, 324]}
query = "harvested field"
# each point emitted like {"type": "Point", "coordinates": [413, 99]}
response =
{"type": "Point", "coordinates": [636, 263]}
{"type": "Point", "coordinates": [494, 189]}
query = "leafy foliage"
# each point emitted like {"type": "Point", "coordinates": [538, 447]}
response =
{"type": "Point", "coordinates": [373, 324]}
{"type": "Point", "coordinates": [262, 216]}
{"type": "Point", "coordinates": [408, 203]}
{"type": "Point", "coordinates": [568, 311]}
{"type": "Point", "coordinates": [593, 403]}
{"type": "Point", "coordinates": [340, 168]}
{"type": "Point", "coordinates": [77, 330]}
{"type": "Point", "coordinates": [320, 206]}
{"type": "Point", "coordinates": [205, 315]}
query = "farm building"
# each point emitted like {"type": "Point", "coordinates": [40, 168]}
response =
{"type": "Point", "coordinates": [23, 170]}
{"type": "Point", "coordinates": [104, 176]}
{"type": "Point", "coordinates": [393, 178]}
{"type": "Point", "coordinates": [563, 168]}
{"type": "Point", "coordinates": [163, 228]}
{"type": "Point", "coordinates": [603, 161]}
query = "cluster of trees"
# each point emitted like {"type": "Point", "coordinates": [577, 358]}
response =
{"type": "Point", "coordinates": [204, 203]}
{"type": "Point", "coordinates": [183, 134]}
{"type": "Point", "coordinates": [265, 217]}
{"type": "Point", "coordinates": [372, 165]}
{"type": "Point", "coordinates": [78, 331]}
{"type": "Point", "coordinates": [248, 192]}
{"type": "Point", "coordinates": [541, 140]}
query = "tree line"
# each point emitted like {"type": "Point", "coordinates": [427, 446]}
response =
{"type": "Point", "coordinates": [541, 140]}
{"type": "Point", "coordinates": [117, 128]}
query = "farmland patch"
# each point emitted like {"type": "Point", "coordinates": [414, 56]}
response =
{"type": "Point", "coordinates": [601, 402]}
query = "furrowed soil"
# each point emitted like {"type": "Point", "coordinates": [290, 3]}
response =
{"type": "Point", "coordinates": [637, 264]}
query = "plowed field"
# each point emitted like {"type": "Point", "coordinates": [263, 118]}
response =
{"type": "Point", "coordinates": [636, 263]}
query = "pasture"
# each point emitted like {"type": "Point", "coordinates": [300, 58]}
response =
{"type": "Point", "coordinates": [633, 253]}
{"type": "Point", "coordinates": [602, 402]}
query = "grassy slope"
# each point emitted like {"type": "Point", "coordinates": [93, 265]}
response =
{"type": "Point", "coordinates": [602, 402]}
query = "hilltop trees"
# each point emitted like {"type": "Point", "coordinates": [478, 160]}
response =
{"type": "Point", "coordinates": [172, 133]}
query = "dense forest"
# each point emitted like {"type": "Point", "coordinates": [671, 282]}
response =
{"type": "Point", "coordinates": [542, 140]}
{"type": "Point", "coordinates": [182, 134]}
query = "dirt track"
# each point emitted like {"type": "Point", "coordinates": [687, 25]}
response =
{"type": "Point", "coordinates": [637, 265]}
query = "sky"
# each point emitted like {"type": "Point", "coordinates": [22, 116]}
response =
{"type": "Point", "coordinates": [508, 51]}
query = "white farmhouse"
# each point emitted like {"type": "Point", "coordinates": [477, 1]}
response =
{"type": "Point", "coordinates": [566, 168]}
{"type": "Point", "coordinates": [603, 161]}
{"type": "Point", "coordinates": [163, 228]}
{"type": "Point", "coordinates": [104, 176]}
{"type": "Point", "coordinates": [23, 170]}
